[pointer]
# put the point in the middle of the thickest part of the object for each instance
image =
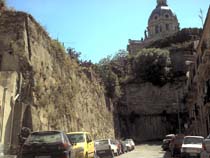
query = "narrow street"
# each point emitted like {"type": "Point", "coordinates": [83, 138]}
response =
{"type": "Point", "coordinates": [149, 150]}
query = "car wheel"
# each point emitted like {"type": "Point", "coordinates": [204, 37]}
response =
{"type": "Point", "coordinates": [172, 153]}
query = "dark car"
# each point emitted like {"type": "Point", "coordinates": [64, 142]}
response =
{"type": "Point", "coordinates": [176, 145]}
{"type": "Point", "coordinates": [47, 144]}
{"type": "Point", "coordinates": [166, 141]}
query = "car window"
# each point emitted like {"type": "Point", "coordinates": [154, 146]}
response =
{"type": "Point", "coordinates": [76, 138]}
{"type": "Point", "coordinates": [168, 137]}
{"type": "Point", "coordinates": [102, 142]}
{"type": "Point", "coordinates": [44, 138]}
{"type": "Point", "coordinates": [191, 140]}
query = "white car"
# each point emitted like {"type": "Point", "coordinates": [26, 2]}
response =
{"type": "Point", "coordinates": [192, 146]}
{"type": "Point", "coordinates": [111, 143]}
{"type": "Point", "coordinates": [131, 142]}
{"type": "Point", "coordinates": [128, 145]}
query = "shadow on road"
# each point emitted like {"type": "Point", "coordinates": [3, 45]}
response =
{"type": "Point", "coordinates": [167, 155]}
{"type": "Point", "coordinates": [151, 143]}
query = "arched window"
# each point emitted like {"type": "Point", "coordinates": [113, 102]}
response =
{"type": "Point", "coordinates": [167, 27]}
{"type": "Point", "coordinates": [166, 16]}
{"type": "Point", "coordinates": [156, 29]}
{"type": "Point", "coordinates": [155, 17]}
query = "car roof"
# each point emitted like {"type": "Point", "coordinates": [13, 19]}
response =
{"type": "Point", "coordinates": [194, 137]}
{"type": "Point", "coordinates": [78, 133]}
{"type": "Point", "coordinates": [102, 139]}
{"type": "Point", "coordinates": [46, 132]}
{"type": "Point", "coordinates": [170, 135]}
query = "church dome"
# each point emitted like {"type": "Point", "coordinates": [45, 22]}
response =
{"type": "Point", "coordinates": [162, 21]}
{"type": "Point", "coordinates": [161, 11]}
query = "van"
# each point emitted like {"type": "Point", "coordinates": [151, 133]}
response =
{"type": "Point", "coordinates": [83, 144]}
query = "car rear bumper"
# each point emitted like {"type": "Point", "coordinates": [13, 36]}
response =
{"type": "Point", "coordinates": [104, 154]}
{"type": "Point", "coordinates": [186, 155]}
{"type": "Point", "coordinates": [47, 155]}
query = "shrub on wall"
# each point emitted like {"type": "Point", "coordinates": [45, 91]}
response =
{"type": "Point", "coordinates": [152, 65]}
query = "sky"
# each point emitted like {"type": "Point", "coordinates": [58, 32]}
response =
{"type": "Point", "coordinates": [98, 28]}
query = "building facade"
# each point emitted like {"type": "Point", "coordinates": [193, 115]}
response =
{"type": "Point", "coordinates": [198, 86]}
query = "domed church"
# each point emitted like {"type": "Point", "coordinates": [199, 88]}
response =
{"type": "Point", "coordinates": [162, 21]}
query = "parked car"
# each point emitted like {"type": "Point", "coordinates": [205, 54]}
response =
{"type": "Point", "coordinates": [128, 145]}
{"type": "Point", "coordinates": [83, 144]}
{"type": "Point", "coordinates": [167, 141]}
{"type": "Point", "coordinates": [176, 144]}
{"type": "Point", "coordinates": [48, 144]}
{"type": "Point", "coordinates": [206, 147]}
{"type": "Point", "coordinates": [132, 143]}
{"type": "Point", "coordinates": [103, 149]}
{"type": "Point", "coordinates": [123, 146]}
{"type": "Point", "coordinates": [192, 146]}
{"type": "Point", "coordinates": [113, 145]}
{"type": "Point", "coordinates": [119, 147]}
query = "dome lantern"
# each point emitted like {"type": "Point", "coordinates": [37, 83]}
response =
{"type": "Point", "coordinates": [161, 2]}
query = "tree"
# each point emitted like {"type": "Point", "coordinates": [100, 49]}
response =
{"type": "Point", "coordinates": [152, 65]}
{"type": "Point", "coordinates": [74, 54]}
{"type": "Point", "coordinates": [109, 78]}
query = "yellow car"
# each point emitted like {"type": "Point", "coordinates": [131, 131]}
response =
{"type": "Point", "coordinates": [83, 144]}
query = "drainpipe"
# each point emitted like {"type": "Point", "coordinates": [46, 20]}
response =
{"type": "Point", "coordinates": [3, 105]}
{"type": "Point", "coordinates": [178, 113]}
{"type": "Point", "coordinates": [12, 120]}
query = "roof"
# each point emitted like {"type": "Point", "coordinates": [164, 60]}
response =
{"type": "Point", "coordinates": [194, 137]}
{"type": "Point", "coordinates": [78, 133]}
{"type": "Point", "coordinates": [161, 11]}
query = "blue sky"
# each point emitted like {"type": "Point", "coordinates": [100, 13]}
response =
{"type": "Point", "coordinates": [98, 28]}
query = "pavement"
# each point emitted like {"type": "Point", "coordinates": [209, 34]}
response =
{"type": "Point", "coordinates": [147, 150]}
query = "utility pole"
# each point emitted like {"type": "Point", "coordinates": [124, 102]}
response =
{"type": "Point", "coordinates": [178, 113]}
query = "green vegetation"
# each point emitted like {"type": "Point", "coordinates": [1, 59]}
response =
{"type": "Point", "coordinates": [148, 65]}
{"type": "Point", "coordinates": [152, 65]}
{"type": "Point", "coordinates": [109, 78]}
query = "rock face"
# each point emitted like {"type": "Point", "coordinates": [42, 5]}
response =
{"type": "Point", "coordinates": [54, 92]}
{"type": "Point", "coordinates": [148, 111]}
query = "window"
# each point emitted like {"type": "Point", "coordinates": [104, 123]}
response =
{"type": "Point", "coordinates": [166, 16]}
{"type": "Point", "coordinates": [167, 27]}
{"type": "Point", "coordinates": [155, 17]}
{"type": "Point", "coordinates": [0, 61]}
{"type": "Point", "coordinates": [156, 29]}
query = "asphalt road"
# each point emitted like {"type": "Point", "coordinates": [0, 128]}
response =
{"type": "Point", "coordinates": [147, 150]}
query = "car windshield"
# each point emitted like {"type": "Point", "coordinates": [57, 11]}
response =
{"type": "Point", "coordinates": [168, 137]}
{"type": "Point", "coordinates": [192, 140]}
{"type": "Point", "coordinates": [44, 138]}
{"type": "Point", "coordinates": [102, 142]}
{"type": "Point", "coordinates": [76, 138]}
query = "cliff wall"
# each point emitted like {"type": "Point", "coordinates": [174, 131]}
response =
{"type": "Point", "coordinates": [54, 91]}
